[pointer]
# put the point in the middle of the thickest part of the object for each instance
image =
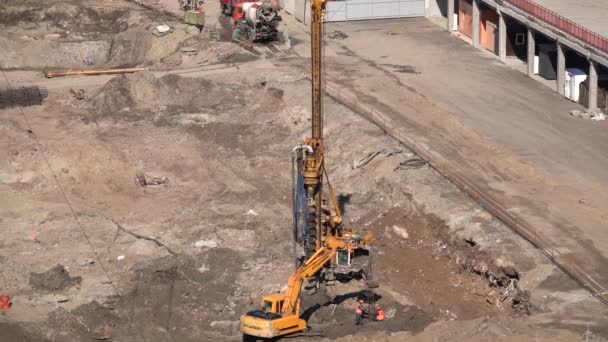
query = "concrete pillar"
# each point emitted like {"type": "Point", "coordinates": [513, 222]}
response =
{"type": "Point", "coordinates": [502, 37]}
{"type": "Point", "coordinates": [592, 85]}
{"type": "Point", "coordinates": [451, 15]}
{"type": "Point", "coordinates": [561, 68]}
{"type": "Point", "coordinates": [476, 23]}
{"type": "Point", "coordinates": [531, 51]}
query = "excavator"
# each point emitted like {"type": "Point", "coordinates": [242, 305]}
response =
{"type": "Point", "coordinates": [280, 313]}
{"type": "Point", "coordinates": [329, 249]}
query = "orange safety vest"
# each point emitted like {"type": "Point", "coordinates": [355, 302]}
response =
{"type": "Point", "coordinates": [358, 310]}
{"type": "Point", "coordinates": [380, 316]}
{"type": "Point", "coordinates": [5, 302]}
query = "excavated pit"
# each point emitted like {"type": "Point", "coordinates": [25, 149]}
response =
{"type": "Point", "coordinates": [195, 253]}
{"type": "Point", "coordinates": [55, 279]}
{"type": "Point", "coordinates": [80, 35]}
{"type": "Point", "coordinates": [224, 145]}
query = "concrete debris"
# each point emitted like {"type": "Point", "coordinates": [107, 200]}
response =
{"type": "Point", "coordinates": [205, 244]}
{"type": "Point", "coordinates": [162, 30]}
{"type": "Point", "coordinates": [333, 309]}
{"type": "Point", "coordinates": [411, 163]}
{"type": "Point", "coordinates": [401, 232]}
{"type": "Point", "coordinates": [120, 258]}
{"type": "Point", "coordinates": [449, 314]}
{"type": "Point", "coordinates": [520, 299]}
{"type": "Point", "coordinates": [55, 298]}
{"type": "Point", "coordinates": [390, 313]}
{"type": "Point", "coordinates": [579, 114]}
{"type": "Point", "coordinates": [337, 35]}
{"type": "Point", "coordinates": [594, 115]}
{"type": "Point", "coordinates": [86, 262]}
{"type": "Point", "coordinates": [52, 36]}
{"type": "Point", "coordinates": [251, 212]}
{"type": "Point", "coordinates": [142, 180]}
{"type": "Point", "coordinates": [203, 269]}
{"type": "Point", "coordinates": [506, 278]}
{"type": "Point", "coordinates": [88, 61]}
{"type": "Point", "coordinates": [510, 272]}
{"type": "Point", "coordinates": [188, 51]}
{"type": "Point", "coordinates": [78, 95]}
{"type": "Point", "coordinates": [387, 152]}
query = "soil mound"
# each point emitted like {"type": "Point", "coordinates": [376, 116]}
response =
{"type": "Point", "coordinates": [74, 17]}
{"type": "Point", "coordinates": [173, 94]}
{"type": "Point", "coordinates": [57, 278]}
{"type": "Point", "coordinates": [15, 332]}
{"type": "Point", "coordinates": [73, 36]}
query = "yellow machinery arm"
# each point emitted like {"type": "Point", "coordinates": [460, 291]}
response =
{"type": "Point", "coordinates": [280, 313]}
{"type": "Point", "coordinates": [311, 266]}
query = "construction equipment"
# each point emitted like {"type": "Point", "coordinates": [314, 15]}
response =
{"type": "Point", "coordinates": [228, 6]}
{"type": "Point", "coordinates": [311, 160]}
{"type": "Point", "coordinates": [330, 249]}
{"type": "Point", "coordinates": [194, 14]}
{"type": "Point", "coordinates": [51, 74]}
{"type": "Point", "coordinates": [280, 313]}
{"type": "Point", "coordinates": [257, 21]}
{"type": "Point", "coordinates": [191, 5]}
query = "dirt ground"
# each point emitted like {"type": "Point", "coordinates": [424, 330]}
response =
{"type": "Point", "coordinates": [88, 253]}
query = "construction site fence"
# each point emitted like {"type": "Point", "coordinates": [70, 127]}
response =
{"type": "Point", "coordinates": [558, 21]}
{"type": "Point", "coordinates": [483, 198]}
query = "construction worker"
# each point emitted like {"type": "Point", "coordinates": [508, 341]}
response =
{"type": "Point", "coordinates": [5, 302]}
{"type": "Point", "coordinates": [359, 312]}
{"type": "Point", "coordinates": [285, 34]}
{"type": "Point", "coordinates": [236, 32]}
{"type": "Point", "coordinates": [379, 313]}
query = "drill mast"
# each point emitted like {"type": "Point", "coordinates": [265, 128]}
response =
{"type": "Point", "coordinates": [313, 162]}
{"type": "Point", "coordinates": [316, 41]}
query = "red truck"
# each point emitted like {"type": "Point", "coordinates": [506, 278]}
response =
{"type": "Point", "coordinates": [228, 6]}
{"type": "Point", "coordinates": [258, 21]}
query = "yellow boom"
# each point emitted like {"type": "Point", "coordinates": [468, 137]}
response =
{"type": "Point", "coordinates": [280, 313]}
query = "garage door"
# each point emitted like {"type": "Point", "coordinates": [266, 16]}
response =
{"type": "Point", "coordinates": [372, 9]}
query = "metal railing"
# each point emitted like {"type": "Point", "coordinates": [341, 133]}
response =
{"type": "Point", "coordinates": [566, 25]}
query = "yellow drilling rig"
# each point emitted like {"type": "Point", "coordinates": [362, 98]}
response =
{"type": "Point", "coordinates": [330, 250]}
